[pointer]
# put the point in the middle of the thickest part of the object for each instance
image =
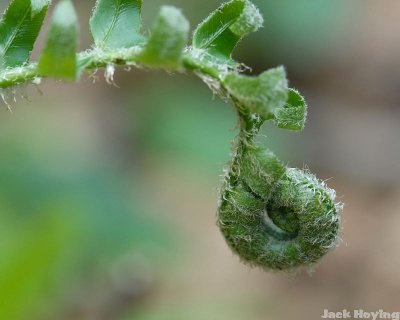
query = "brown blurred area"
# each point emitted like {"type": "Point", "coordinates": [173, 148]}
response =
{"type": "Point", "coordinates": [170, 139]}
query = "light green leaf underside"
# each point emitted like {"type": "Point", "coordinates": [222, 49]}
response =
{"type": "Point", "coordinates": [261, 95]}
{"type": "Point", "coordinates": [59, 56]}
{"type": "Point", "coordinates": [168, 39]}
{"type": "Point", "coordinates": [38, 5]}
{"type": "Point", "coordinates": [222, 30]}
{"type": "Point", "coordinates": [293, 115]}
{"type": "Point", "coordinates": [117, 23]}
{"type": "Point", "coordinates": [19, 28]}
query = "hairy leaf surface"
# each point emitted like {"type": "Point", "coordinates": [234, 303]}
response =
{"type": "Point", "coordinates": [38, 5]}
{"type": "Point", "coordinates": [262, 95]}
{"type": "Point", "coordinates": [293, 115]}
{"type": "Point", "coordinates": [168, 39]}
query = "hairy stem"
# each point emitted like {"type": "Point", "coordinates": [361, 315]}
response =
{"type": "Point", "coordinates": [97, 58]}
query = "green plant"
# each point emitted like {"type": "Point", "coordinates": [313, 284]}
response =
{"type": "Point", "coordinates": [272, 216]}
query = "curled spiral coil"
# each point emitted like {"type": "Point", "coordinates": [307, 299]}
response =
{"type": "Point", "coordinates": [272, 216]}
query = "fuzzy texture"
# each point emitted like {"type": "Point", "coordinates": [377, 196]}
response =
{"type": "Point", "coordinates": [272, 216]}
{"type": "Point", "coordinates": [275, 217]}
{"type": "Point", "coordinates": [167, 41]}
{"type": "Point", "coordinates": [293, 114]}
{"type": "Point", "coordinates": [261, 95]}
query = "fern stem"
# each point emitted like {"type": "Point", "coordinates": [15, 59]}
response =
{"type": "Point", "coordinates": [95, 59]}
{"type": "Point", "coordinates": [272, 216]}
{"type": "Point", "coordinates": [18, 75]}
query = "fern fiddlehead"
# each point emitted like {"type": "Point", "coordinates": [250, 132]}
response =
{"type": "Point", "coordinates": [272, 216]}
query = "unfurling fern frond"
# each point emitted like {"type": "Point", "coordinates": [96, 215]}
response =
{"type": "Point", "coordinates": [272, 216]}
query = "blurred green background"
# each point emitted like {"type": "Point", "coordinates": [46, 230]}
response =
{"type": "Point", "coordinates": [108, 194]}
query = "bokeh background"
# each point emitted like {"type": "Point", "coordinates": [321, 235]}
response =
{"type": "Point", "coordinates": [108, 194]}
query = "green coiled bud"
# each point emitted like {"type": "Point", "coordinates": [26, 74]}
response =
{"type": "Point", "coordinates": [276, 217]}
{"type": "Point", "coordinates": [272, 216]}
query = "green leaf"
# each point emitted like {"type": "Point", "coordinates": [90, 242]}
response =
{"type": "Point", "coordinates": [293, 114]}
{"type": "Point", "coordinates": [262, 95]}
{"type": "Point", "coordinates": [168, 39]}
{"type": "Point", "coordinates": [38, 5]}
{"type": "Point", "coordinates": [117, 23]}
{"type": "Point", "coordinates": [19, 28]}
{"type": "Point", "coordinates": [223, 29]}
{"type": "Point", "coordinates": [59, 56]}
